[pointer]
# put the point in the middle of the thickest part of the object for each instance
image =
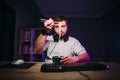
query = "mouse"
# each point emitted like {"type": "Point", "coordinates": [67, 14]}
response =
{"type": "Point", "coordinates": [17, 62]}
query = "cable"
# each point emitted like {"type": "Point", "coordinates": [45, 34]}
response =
{"type": "Point", "coordinates": [52, 50]}
{"type": "Point", "coordinates": [54, 47]}
{"type": "Point", "coordinates": [88, 78]}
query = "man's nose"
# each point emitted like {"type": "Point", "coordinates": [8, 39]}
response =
{"type": "Point", "coordinates": [60, 29]}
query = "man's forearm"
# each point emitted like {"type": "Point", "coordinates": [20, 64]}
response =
{"type": "Point", "coordinates": [83, 57]}
{"type": "Point", "coordinates": [39, 43]}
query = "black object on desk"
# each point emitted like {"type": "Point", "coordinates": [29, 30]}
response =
{"type": "Point", "coordinates": [90, 66]}
{"type": "Point", "coordinates": [21, 66]}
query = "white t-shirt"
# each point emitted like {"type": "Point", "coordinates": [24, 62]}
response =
{"type": "Point", "coordinates": [61, 48]}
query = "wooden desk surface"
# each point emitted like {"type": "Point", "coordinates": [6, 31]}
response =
{"type": "Point", "coordinates": [33, 73]}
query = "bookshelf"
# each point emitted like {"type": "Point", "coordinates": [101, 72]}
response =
{"type": "Point", "coordinates": [27, 38]}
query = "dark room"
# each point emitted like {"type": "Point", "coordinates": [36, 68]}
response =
{"type": "Point", "coordinates": [75, 40]}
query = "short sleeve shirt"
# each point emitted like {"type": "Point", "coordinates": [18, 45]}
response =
{"type": "Point", "coordinates": [61, 48]}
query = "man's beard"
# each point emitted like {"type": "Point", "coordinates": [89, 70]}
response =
{"type": "Point", "coordinates": [56, 37]}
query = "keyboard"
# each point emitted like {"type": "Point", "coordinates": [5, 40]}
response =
{"type": "Point", "coordinates": [86, 66]}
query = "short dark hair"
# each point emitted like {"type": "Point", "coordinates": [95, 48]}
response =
{"type": "Point", "coordinates": [60, 18]}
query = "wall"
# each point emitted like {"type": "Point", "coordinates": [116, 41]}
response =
{"type": "Point", "coordinates": [111, 23]}
{"type": "Point", "coordinates": [7, 24]}
{"type": "Point", "coordinates": [100, 36]}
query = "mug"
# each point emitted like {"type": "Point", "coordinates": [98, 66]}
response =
{"type": "Point", "coordinates": [56, 59]}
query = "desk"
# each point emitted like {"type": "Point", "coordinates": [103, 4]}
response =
{"type": "Point", "coordinates": [33, 73]}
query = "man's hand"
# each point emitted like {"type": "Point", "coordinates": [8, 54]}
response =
{"type": "Point", "coordinates": [75, 59]}
{"type": "Point", "coordinates": [48, 24]}
{"type": "Point", "coordinates": [69, 59]}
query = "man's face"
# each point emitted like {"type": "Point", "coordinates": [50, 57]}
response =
{"type": "Point", "coordinates": [61, 28]}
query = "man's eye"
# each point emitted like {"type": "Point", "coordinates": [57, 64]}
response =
{"type": "Point", "coordinates": [63, 26]}
{"type": "Point", "coordinates": [56, 26]}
